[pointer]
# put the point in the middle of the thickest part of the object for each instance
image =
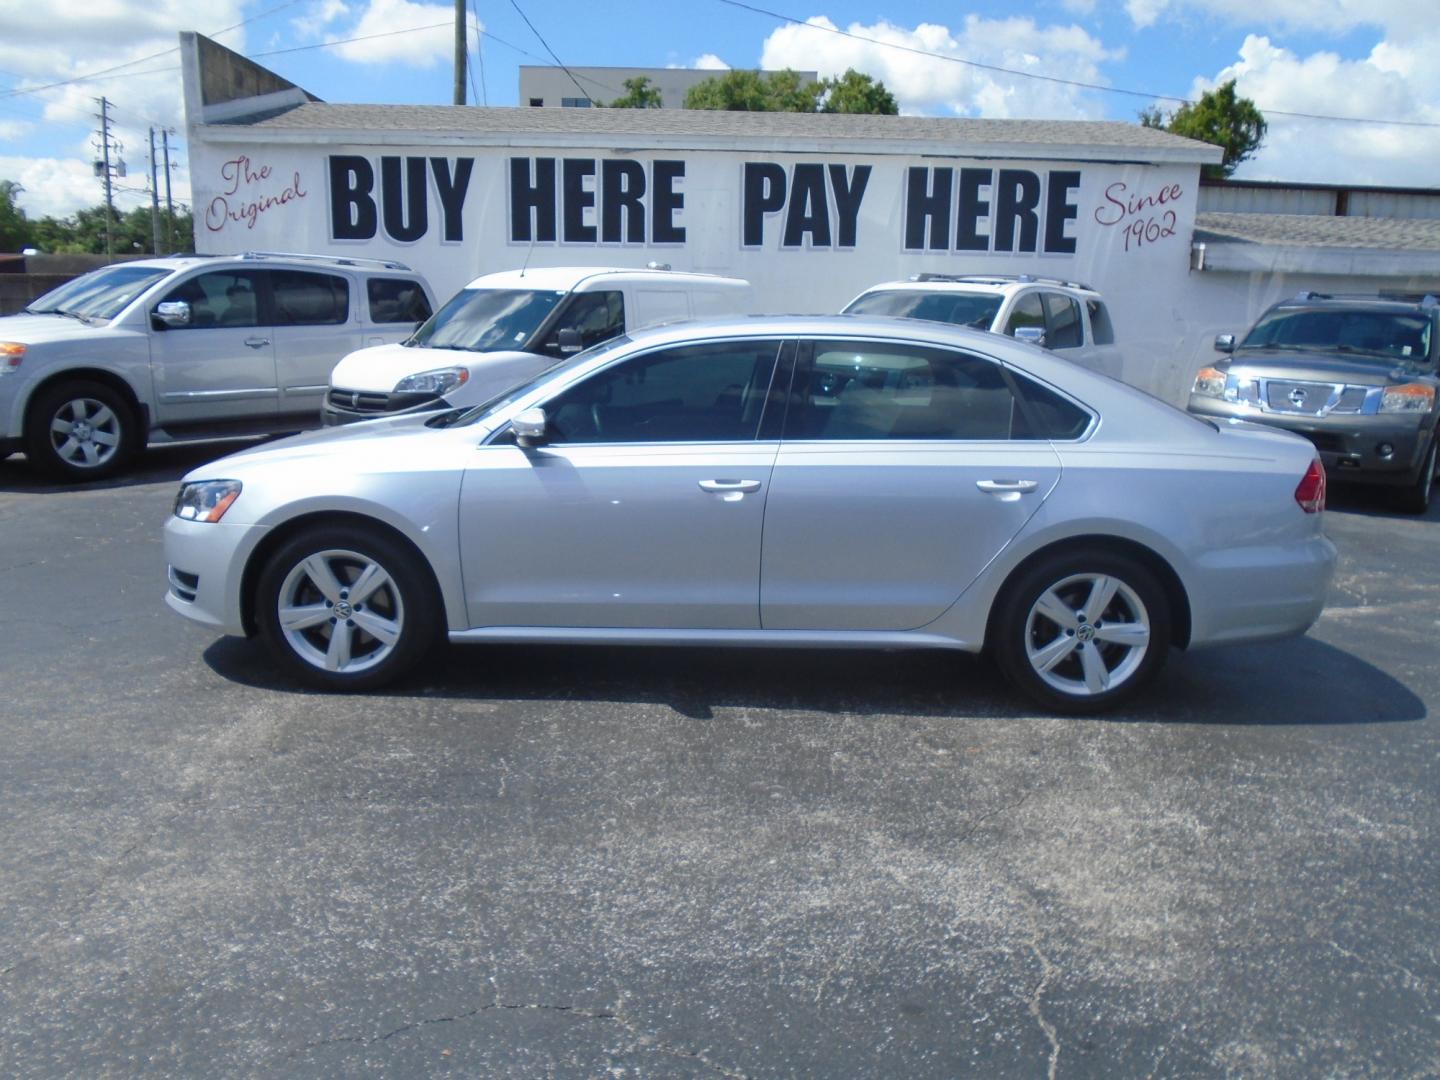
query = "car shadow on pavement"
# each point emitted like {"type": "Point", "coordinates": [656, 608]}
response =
{"type": "Point", "coordinates": [155, 465]}
{"type": "Point", "coordinates": [1375, 502]}
{"type": "Point", "coordinates": [1302, 681]}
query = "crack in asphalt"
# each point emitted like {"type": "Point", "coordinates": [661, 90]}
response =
{"type": "Point", "coordinates": [1047, 971]}
{"type": "Point", "coordinates": [1412, 980]}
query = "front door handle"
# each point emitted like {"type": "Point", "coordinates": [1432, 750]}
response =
{"type": "Point", "coordinates": [726, 487]}
{"type": "Point", "coordinates": [1003, 487]}
{"type": "Point", "coordinates": [257, 342]}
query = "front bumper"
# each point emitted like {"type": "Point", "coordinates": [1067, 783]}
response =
{"type": "Point", "coordinates": [348, 406]}
{"type": "Point", "coordinates": [205, 570]}
{"type": "Point", "coordinates": [1369, 449]}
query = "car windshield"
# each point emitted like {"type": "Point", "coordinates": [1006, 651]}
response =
{"type": "Point", "coordinates": [1387, 336]}
{"type": "Point", "coordinates": [476, 412]}
{"type": "Point", "coordinates": [100, 294]}
{"type": "Point", "coordinates": [960, 309]}
{"type": "Point", "coordinates": [488, 320]}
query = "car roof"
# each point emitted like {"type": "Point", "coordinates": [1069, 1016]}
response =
{"type": "Point", "coordinates": [567, 278]}
{"type": "Point", "coordinates": [182, 262]}
{"type": "Point", "coordinates": [980, 283]}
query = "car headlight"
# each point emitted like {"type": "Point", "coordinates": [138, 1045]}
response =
{"type": "Point", "coordinates": [1409, 397]}
{"type": "Point", "coordinates": [11, 353]}
{"type": "Point", "coordinates": [206, 500]}
{"type": "Point", "coordinates": [439, 381]}
{"type": "Point", "coordinates": [1210, 382]}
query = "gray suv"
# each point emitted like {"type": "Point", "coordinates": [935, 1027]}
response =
{"type": "Point", "coordinates": [188, 347]}
{"type": "Point", "coordinates": [1356, 375]}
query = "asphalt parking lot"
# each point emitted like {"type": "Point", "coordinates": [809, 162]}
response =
{"type": "Point", "coordinates": [630, 863]}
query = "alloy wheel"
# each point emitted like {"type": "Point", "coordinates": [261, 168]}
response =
{"type": "Point", "coordinates": [1087, 634]}
{"type": "Point", "coordinates": [85, 433]}
{"type": "Point", "coordinates": [340, 611]}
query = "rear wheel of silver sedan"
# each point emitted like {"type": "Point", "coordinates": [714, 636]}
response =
{"type": "Point", "coordinates": [1081, 631]}
{"type": "Point", "coordinates": [345, 608]}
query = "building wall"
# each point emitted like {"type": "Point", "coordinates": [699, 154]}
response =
{"type": "Point", "coordinates": [809, 231]}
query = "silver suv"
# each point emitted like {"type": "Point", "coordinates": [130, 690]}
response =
{"type": "Point", "coordinates": [1066, 317]}
{"type": "Point", "coordinates": [186, 347]}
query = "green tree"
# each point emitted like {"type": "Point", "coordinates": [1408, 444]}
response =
{"type": "Point", "coordinates": [1220, 117]}
{"type": "Point", "coordinates": [750, 91]}
{"type": "Point", "coordinates": [855, 92]}
{"type": "Point", "coordinates": [640, 93]}
{"type": "Point", "coordinates": [15, 227]}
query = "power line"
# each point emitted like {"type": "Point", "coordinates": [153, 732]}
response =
{"type": "Point", "coordinates": [1053, 78]}
{"type": "Point", "coordinates": [515, 4]}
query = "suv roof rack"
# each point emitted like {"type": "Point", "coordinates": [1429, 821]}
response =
{"type": "Point", "coordinates": [1001, 279]}
{"type": "Point", "coordinates": [1424, 300]}
{"type": "Point", "coordinates": [336, 260]}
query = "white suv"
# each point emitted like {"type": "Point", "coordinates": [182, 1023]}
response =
{"type": "Point", "coordinates": [189, 346]}
{"type": "Point", "coordinates": [1065, 317]}
{"type": "Point", "coordinates": [503, 329]}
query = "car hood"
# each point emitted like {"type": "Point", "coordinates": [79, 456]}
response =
{"type": "Point", "coordinates": [37, 329]}
{"type": "Point", "coordinates": [378, 368]}
{"type": "Point", "coordinates": [348, 443]}
{"type": "Point", "coordinates": [1317, 366]}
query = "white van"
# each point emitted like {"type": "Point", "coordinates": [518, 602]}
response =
{"type": "Point", "coordinates": [515, 324]}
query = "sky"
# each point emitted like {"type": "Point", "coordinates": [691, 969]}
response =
{"type": "Point", "coordinates": [1339, 62]}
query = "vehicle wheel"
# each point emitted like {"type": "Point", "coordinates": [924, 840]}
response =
{"type": "Point", "coordinates": [1415, 499]}
{"type": "Point", "coordinates": [80, 431]}
{"type": "Point", "coordinates": [346, 608]}
{"type": "Point", "coordinates": [1081, 631]}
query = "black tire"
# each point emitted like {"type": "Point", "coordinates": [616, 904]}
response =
{"type": "Point", "coordinates": [406, 604]}
{"type": "Point", "coordinates": [1025, 638]}
{"type": "Point", "coordinates": [80, 430]}
{"type": "Point", "coordinates": [1415, 499]}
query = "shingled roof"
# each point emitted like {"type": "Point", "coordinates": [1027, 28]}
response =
{"type": "Point", "coordinates": [679, 128]}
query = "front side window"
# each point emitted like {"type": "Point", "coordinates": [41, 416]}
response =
{"type": "Point", "coordinates": [959, 309]}
{"type": "Point", "coordinates": [1063, 326]}
{"type": "Point", "coordinates": [396, 300]}
{"type": "Point", "coordinates": [100, 294]}
{"type": "Point", "coordinates": [598, 316]}
{"type": "Point", "coordinates": [307, 299]}
{"type": "Point", "coordinates": [488, 320]}
{"type": "Point", "coordinates": [221, 298]}
{"type": "Point", "coordinates": [890, 390]}
{"type": "Point", "coordinates": [1027, 312]}
{"type": "Point", "coordinates": [712, 392]}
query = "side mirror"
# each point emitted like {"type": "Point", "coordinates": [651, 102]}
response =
{"type": "Point", "coordinates": [173, 313]}
{"type": "Point", "coordinates": [1033, 335]}
{"type": "Point", "coordinates": [1225, 343]}
{"type": "Point", "coordinates": [569, 341]}
{"type": "Point", "coordinates": [529, 427]}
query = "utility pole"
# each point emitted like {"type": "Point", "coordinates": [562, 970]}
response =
{"type": "Point", "coordinates": [104, 169]}
{"type": "Point", "coordinates": [169, 202]}
{"type": "Point", "coordinates": [154, 200]}
{"type": "Point", "coordinates": [460, 52]}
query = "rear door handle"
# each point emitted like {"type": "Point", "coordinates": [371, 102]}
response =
{"type": "Point", "coordinates": [1001, 487]}
{"type": "Point", "coordinates": [257, 342]}
{"type": "Point", "coordinates": [723, 487]}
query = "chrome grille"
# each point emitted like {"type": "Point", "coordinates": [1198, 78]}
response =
{"type": "Point", "coordinates": [1307, 398]}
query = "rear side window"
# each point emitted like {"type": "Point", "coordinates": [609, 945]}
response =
{"type": "Point", "coordinates": [1046, 415]}
{"type": "Point", "coordinates": [306, 299]}
{"type": "Point", "coordinates": [395, 300]}
{"type": "Point", "coordinates": [890, 390]}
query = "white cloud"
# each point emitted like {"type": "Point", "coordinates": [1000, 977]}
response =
{"type": "Point", "coordinates": [1394, 82]}
{"type": "Point", "coordinates": [14, 129]}
{"type": "Point", "coordinates": [709, 62]}
{"type": "Point", "coordinates": [320, 16]}
{"type": "Point", "coordinates": [1331, 16]}
{"type": "Point", "coordinates": [925, 84]}
{"type": "Point", "coordinates": [384, 22]}
{"type": "Point", "coordinates": [54, 187]}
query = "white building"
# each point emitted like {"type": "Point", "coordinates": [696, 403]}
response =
{"type": "Point", "coordinates": [811, 208]}
{"type": "Point", "coordinates": [582, 87]}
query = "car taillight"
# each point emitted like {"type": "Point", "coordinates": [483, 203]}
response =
{"type": "Point", "coordinates": [1310, 493]}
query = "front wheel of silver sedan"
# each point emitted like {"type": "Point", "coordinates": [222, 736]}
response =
{"type": "Point", "coordinates": [345, 608]}
{"type": "Point", "coordinates": [1080, 632]}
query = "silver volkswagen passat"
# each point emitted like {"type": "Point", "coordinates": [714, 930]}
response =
{"type": "Point", "coordinates": [830, 481]}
